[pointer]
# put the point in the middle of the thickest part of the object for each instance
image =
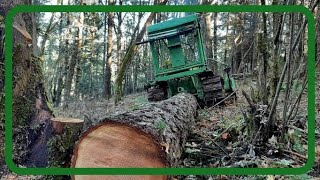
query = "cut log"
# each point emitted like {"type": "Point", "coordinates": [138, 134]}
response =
{"type": "Point", "coordinates": [60, 123]}
{"type": "Point", "coordinates": [151, 137]}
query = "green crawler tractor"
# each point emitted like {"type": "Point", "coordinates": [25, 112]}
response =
{"type": "Point", "coordinates": [180, 63]}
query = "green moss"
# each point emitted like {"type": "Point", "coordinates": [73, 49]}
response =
{"type": "Point", "coordinates": [160, 125]}
{"type": "Point", "coordinates": [61, 147]}
{"type": "Point", "coordinates": [26, 86]}
{"type": "Point", "coordinates": [18, 47]}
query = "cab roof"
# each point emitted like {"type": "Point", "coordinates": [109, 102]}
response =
{"type": "Point", "coordinates": [172, 24]}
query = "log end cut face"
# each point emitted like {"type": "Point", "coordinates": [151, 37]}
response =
{"type": "Point", "coordinates": [113, 145]}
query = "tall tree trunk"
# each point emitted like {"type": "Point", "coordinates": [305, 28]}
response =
{"type": "Point", "coordinates": [226, 43]}
{"type": "Point", "coordinates": [131, 50]}
{"type": "Point", "coordinates": [209, 39]}
{"type": "Point", "coordinates": [79, 51]}
{"type": "Point", "coordinates": [136, 71]}
{"type": "Point", "coordinates": [75, 59]}
{"type": "Point", "coordinates": [288, 86]}
{"type": "Point", "coordinates": [277, 33]}
{"type": "Point", "coordinates": [31, 110]}
{"type": "Point", "coordinates": [63, 67]}
{"type": "Point", "coordinates": [215, 40]}
{"type": "Point", "coordinates": [45, 36]}
{"type": "Point", "coordinates": [318, 33]}
{"type": "Point", "coordinates": [270, 120]}
{"type": "Point", "coordinates": [264, 52]}
{"type": "Point", "coordinates": [119, 38]}
{"type": "Point", "coordinates": [107, 83]}
{"type": "Point", "coordinates": [70, 73]}
{"type": "Point", "coordinates": [51, 73]}
{"type": "Point", "coordinates": [146, 64]}
{"type": "Point", "coordinates": [2, 71]}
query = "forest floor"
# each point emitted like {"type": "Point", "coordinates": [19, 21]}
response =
{"type": "Point", "coordinates": [219, 137]}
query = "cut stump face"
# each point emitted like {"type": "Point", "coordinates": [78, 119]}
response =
{"type": "Point", "coordinates": [113, 145]}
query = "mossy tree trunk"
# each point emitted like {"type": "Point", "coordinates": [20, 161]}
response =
{"type": "Point", "coordinates": [79, 56]}
{"type": "Point", "coordinates": [318, 33]}
{"type": "Point", "coordinates": [45, 36]}
{"type": "Point", "coordinates": [119, 38]}
{"type": "Point", "coordinates": [66, 132]}
{"type": "Point", "coordinates": [215, 40]}
{"type": "Point", "coordinates": [31, 109]}
{"type": "Point", "coordinates": [69, 76]}
{"type": "Point", "coordinates": [62, 66]}
{"type": "Point", "coordinates": [277, 32]}
{"type": "Point", "coordinates": [64, 53]}
{"type": "Point", "coordinates": [209, 38]}
{"type": "Point", "coordinates": [2, 16]}
{"type": "Point", "coordinates": [108, 61]}
{"type": "Point", "coordinates": [263, 51]}
{"type": "Point", "coordinates": [74, 62]}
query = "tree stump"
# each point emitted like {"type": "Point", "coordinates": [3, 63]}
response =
{"type": "Point", "coordinates": [66, 132]}
{"type": "Point", "coordinates": [151, 137]}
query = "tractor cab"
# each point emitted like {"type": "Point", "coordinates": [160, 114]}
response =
{"type": "Point", "coordinates": [179, 62]}
{"type": "Point", "coordinates": [177, 48]}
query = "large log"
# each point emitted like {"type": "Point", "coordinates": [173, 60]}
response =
{"type": "Point", "coordinates": [153, 136]}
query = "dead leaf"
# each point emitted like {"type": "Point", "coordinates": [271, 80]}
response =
{"type": "Point", "coordinates": [213, 119]}
{"type": "Point", "coordinates": [225, 136]}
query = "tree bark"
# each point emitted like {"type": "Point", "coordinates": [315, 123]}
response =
{"type": "Point", "coordinates": [215, 41]}
{"type": "Point", "coordinates": [119, 37]}
{"type": "Point", "coordinates": [79, 58]}
{"type": "Point", "coordinates": [45, 37]}
{"type": "Point", "coordinates": [63, 67]}
{"type": "Point", "coordinates": [288, 86]}
{"type": "Point", "coordinates": [264, 52]}
{"type": "Point", "coordinates": [209, 37]}
{"type": "Point", "coordinates": [277, 32]}
{"type": "Point", "coordinates": [318, 33]}
{"type": "Point", "coordinates": [153, 136]}
{"type": "Point", "coordinates": [295, 42]}
{"type": "Point", "coordinates": [31, 109]}
{"type": "Point", "coordinates": [66, 132]}
{"type": "Point", "coordinates": [226, 42]}
{"type": "Point", "coordinates": [75, 60]}
{"type": "Point", "coordinates": [107, 83]}
{"type": "Point", "coordinates": [2, 94]}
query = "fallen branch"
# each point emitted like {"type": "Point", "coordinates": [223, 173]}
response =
{"type": "Point", "coordinates": [248, 100]}
{"type": "Point", "coordinates": [225, 98]}
{"type": "Point", "coordinates": [296, 154]}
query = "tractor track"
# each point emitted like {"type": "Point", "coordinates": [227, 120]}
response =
{"type": "Point", "coordinates": [212, 88]}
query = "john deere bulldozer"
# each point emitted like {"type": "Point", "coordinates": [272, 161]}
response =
{"type": "Point", "coordinates": [180, 63]}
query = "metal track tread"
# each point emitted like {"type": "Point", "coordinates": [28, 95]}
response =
{"type": "Point", "coordinates": [213, 89]}
{"type": "Point", "coordinates": [156, 93]}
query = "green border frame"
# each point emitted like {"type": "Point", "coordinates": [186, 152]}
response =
{"type": "Point", "coordinates": [155, 171]}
